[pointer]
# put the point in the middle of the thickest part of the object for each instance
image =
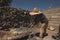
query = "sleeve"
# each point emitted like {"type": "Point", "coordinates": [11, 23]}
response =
{"type": "Point", "coordinates": [43, 19]}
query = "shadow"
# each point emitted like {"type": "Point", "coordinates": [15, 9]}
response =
{"type": "Point", "coordinates": [23, 38]}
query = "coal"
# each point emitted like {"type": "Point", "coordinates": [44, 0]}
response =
{"type": "Point", "coordinates": [12, 18]}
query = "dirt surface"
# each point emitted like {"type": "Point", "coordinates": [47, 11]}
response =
{"type": "Point", "coordinates": [50, 34]}
{"type": "Point", "coordinates": [36, 30]}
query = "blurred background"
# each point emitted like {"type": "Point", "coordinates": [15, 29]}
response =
{"type": "Point", "coordinates": [30, 4]}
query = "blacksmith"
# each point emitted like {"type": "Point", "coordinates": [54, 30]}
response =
{"type": "Point", "coordinates": [39, 19]}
